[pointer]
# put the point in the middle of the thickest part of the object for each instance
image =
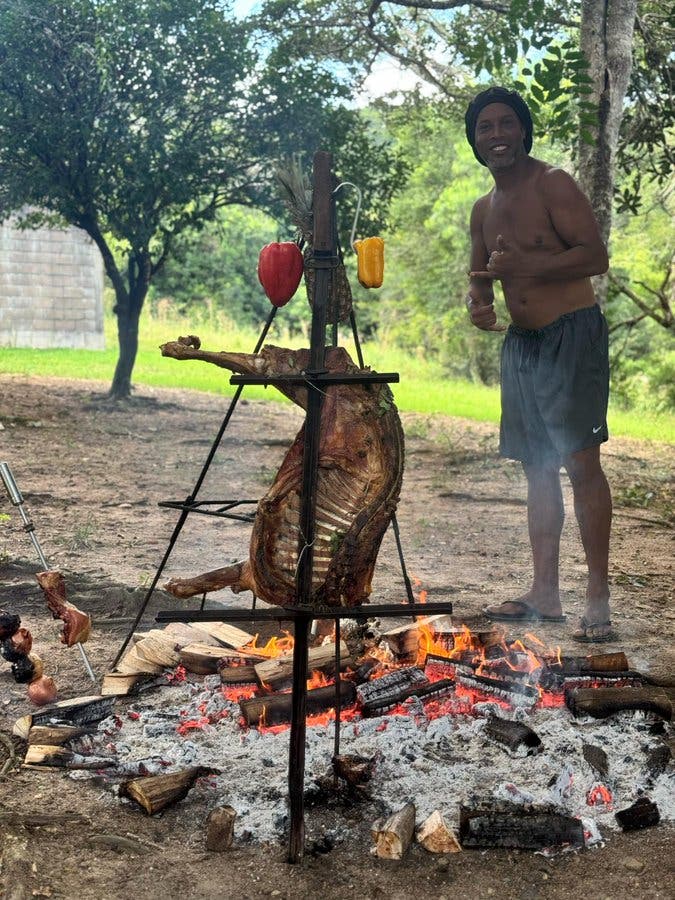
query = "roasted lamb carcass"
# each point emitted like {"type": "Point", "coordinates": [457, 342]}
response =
{"type": "Point", "coordinates": [358, 486]}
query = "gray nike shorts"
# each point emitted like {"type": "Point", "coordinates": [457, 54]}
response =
{"type": "Point", "coordinates": [555, 388]}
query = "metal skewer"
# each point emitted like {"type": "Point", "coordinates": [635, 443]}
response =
{"type": "Point", "coordinates": [16, 498]}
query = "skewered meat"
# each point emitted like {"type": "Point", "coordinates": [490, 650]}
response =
{"type": "Point", "coordinates": [9, 623]}
{"type": "Point", "coordinates": [358, 486]}
{"type": "Point", "coordinates": [76, 624]}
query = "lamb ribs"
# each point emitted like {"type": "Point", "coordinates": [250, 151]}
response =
{"type": "Point", "coordinates": [359, 482]}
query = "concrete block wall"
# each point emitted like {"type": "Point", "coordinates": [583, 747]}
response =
{"type": "Point", "coordinates": [51, 289]}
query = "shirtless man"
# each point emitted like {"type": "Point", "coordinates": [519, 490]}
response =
{"type": "Point", "coordinates": [535, 232]}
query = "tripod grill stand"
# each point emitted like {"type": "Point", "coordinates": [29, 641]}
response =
{"type": "Point", "coordinates": [316, 378]}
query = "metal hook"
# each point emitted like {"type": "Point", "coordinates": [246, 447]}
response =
{"type": "Point", "coordinates": [358, 207]}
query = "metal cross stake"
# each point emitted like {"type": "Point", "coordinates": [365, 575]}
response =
{"type": "Point", "coordinates": [16, 498]}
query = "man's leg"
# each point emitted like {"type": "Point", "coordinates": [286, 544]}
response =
{"type": "Point", "coordinates": [545, 515]}
{"type": "Point", "coordinates": [593, 508]}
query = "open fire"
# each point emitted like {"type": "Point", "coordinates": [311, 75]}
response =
{"type": "Point", "coordinates": [442, 713]}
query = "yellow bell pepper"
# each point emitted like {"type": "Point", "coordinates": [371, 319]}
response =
{"type": "Point", "coordinates": [370, 259]}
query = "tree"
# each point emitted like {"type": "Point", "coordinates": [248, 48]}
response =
{"type": "Point", "coordinates": [136, 120]}
{"type": "Point", "coordinates": [572, 58]}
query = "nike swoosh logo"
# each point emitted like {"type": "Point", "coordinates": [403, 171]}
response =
{"type": "Point", "coordinates": [596, 430]}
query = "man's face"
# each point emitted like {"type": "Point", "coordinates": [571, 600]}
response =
{"type": "Point", "coordinates": [499, 136]}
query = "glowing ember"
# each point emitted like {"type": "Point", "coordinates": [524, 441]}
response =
{"type": "Point", "coordinates": [599, 795]}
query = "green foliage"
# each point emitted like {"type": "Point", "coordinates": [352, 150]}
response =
{"type": "Point", "coordinates": [136, 120]}
{"type": "Point", "coordinates": [424, 387]}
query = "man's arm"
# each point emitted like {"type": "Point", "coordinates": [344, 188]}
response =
{"type": "Point", "coordinates": [480, 299]}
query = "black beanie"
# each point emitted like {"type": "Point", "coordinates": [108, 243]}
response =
{"type": "Point", "coordinates": [497, 95]}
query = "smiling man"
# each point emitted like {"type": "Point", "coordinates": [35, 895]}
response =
{"type": "Point", "coordinates": [535, 232]}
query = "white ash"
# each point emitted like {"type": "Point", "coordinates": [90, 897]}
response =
{"type": "Point", "coordinates": [437, 763]}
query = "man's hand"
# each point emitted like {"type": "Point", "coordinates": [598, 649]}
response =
{"type": "Point", "coordinates": [505, 261]}
{"type": "Point", "coordinates": [483, 314]}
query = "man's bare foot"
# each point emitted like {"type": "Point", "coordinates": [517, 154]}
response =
{"type": "Point", "coordinates": [594, 632]}
{"type": "Point", "coordinates": [524, 609]}
{"type": "Point", "coordinates": [595, 626]}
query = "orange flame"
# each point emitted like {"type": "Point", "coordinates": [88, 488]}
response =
{"type": "Point", "coordinates": [276, 646]}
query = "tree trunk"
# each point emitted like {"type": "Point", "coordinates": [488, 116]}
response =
{"type": "Point", "coordinates": [606, 41]}
{"type": "Point", "coordinates": [127, 339]}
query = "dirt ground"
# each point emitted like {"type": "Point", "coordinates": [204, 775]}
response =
{"type": "Point", "coordinates": [92, 477]}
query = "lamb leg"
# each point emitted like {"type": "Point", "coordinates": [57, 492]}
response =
{"type": "Point", "coordinates": [237, 577]}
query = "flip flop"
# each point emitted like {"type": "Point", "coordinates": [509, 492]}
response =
{"type": "Point", "coordinates": [583, 637]}
{"type": "Point", "coordinates": [527, 614]}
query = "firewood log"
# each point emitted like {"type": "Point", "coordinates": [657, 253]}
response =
{"type": "Point", "coordinates": [227, 634]}
{"type": "Point", "coordinates": [603, 702]}
{"type": "Point", "coordinates": [642, 814]}
{"type": "Point", "coordinates": [155, 792]}
{"type": "Point", "coordinates": [358, 487]}
{"type": "Point", "coordinates": [394, 835]}
{"type": "Point", "coordinates": [57, 735]}
{"type": "Point", "coordinates": [354, 769]}
{"type": "Point", "coordinates": [436, 836]}
{"type": "Point", "coordinates": [77, 711]}
{"type": "Point", "coordinates": [58, 757]}
{"type": "Point", "coordinates": [514, 827]}
{"type": "Point", "coordinates": [220, 828]}
{"type": "Point", "coordinates": [276, 708]}
{"type": "Point", "coordinates": [132, 663]}
{"type": "Point", "coordinates": [201, 659]}
{"type": "Point", "coordinates": [158, 650]}
{"type": "Point", "coordinates": [279, 670]}
{"type": "Point", "coordinates": [238, 675]}
{"type": "Point", "coordinates": [121, 684]}
{"type": "Point", "coordinates": [513, 734]}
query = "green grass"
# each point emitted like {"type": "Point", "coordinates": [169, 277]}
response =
{"type": "Point", "coordinates": [422, 388]}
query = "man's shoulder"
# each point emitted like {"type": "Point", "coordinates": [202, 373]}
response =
{"type": "Point", "coordinates": [480, 205]}
{"type": "Point", "coordinates": [552, 178]}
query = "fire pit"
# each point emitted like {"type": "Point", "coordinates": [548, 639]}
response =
{"type": "Point", "coordinates": [492, 733]}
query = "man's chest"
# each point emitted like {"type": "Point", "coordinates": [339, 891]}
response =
{"type": "Point", "coordinates": [521, 219]}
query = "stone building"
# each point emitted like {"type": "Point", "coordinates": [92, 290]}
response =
{"type": "Point", "coordinates": [51, 289]}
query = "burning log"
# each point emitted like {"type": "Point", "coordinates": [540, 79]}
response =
{"type": "Point", "coordinates": [513, 734]}
{"type": "Point", "coordinates": [603, 702]}
{"type": "Point", "coordinates": [77, 711]}
{"type": "Point", "coordinates": [76, 624]}
{"type": "Point", "coordinates": [359, 482]}
{"type": "Point", "coordinates": [394, 835]}
{"type": "Point", "coordinates": [201, 659]}
{"type": "Point", "coordinates": [382, 694]}
{"type": "Point", "coordinates": [642, 814]}
{"type": "Point", "coordinates": [515, 827]}
{"type": "Point", "coordinates": [238, 675]}
{"type": "Point", "coordinates": [155, 792]}
{"type": "Point", "coordinates": [220, 829]}
{"type": "Point", "coordinates": [276, 708]}
{"type": "Point", "coordinates": [514, 692]}
{"type": "Point", "coordinates": [435, 835]}
{"type": "Point", "coordinates": [599, 662]}
{"type": "Point", "coordinates": [279, 670]}
{"type": "Point", "coordinates": [404, 640]}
